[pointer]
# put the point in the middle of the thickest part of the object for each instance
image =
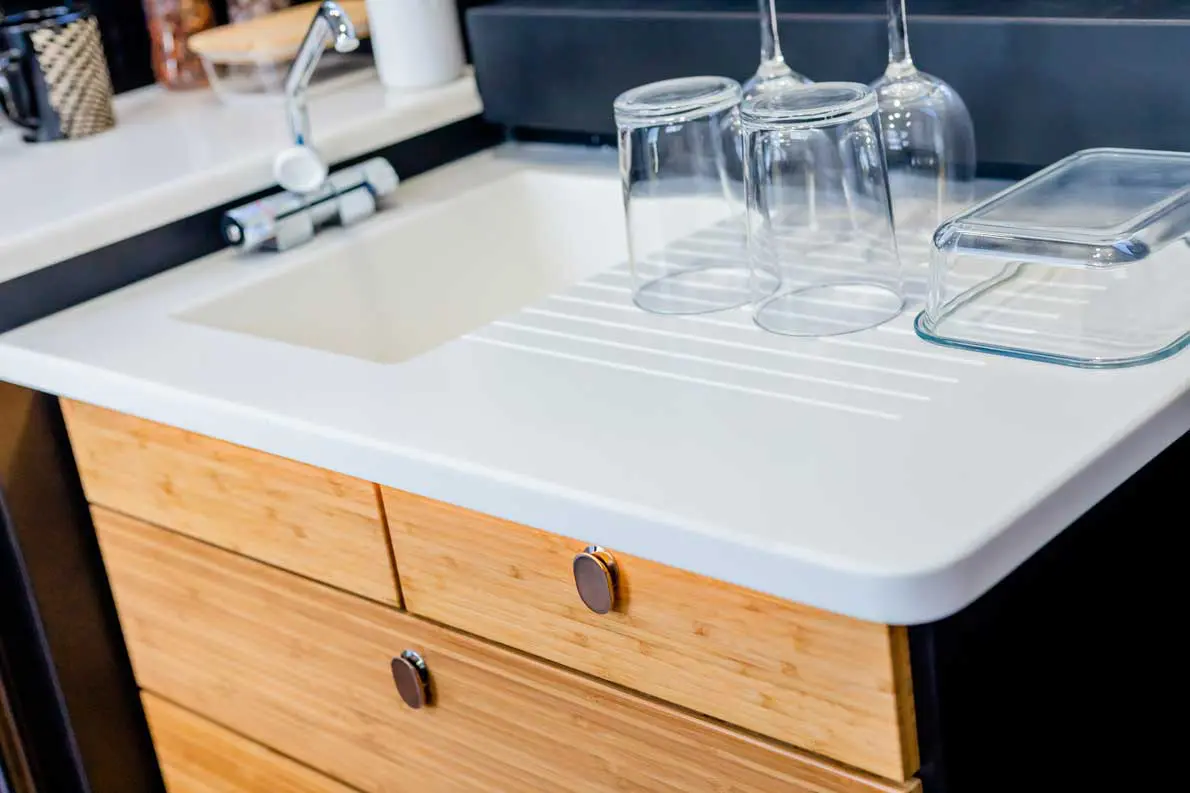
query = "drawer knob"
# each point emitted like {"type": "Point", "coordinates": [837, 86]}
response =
{"type": "Point", "coordinates": [596, 576]}
{"type": "Point", "coordinates": [412, 678]}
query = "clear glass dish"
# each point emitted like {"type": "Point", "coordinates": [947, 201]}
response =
{"type": "Point", "coordinates": [1084, 263]}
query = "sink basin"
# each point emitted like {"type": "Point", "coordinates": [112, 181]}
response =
{"type": "Point", "coordinates": [418, 276]}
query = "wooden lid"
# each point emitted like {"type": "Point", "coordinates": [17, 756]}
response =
{"type": "Point", "coordinates": [270, 38]}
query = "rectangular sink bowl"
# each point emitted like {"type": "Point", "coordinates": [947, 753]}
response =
{"type": "Point", "coordinates": [418, 276]}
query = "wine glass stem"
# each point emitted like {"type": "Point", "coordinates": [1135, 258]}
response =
{"type": "Point", "coordinates": [900, 62]}
{"type": "Point", "coordinates": [770, 44]}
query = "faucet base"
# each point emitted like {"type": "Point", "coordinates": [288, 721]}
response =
{"type": "Point", "coordinates": [288, 219]}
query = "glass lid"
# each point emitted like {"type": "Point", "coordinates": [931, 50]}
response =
{"type": "Point", "coordinates": [1099, 207]}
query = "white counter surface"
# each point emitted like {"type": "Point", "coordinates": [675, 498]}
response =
{"type": "Point", "coordinates": [173, 154]}
{"type": "Point", "coordinates": [872, 474]}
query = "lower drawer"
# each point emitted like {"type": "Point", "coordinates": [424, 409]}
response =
{"type": "Point", "coordinates": [198, 756]}
{"type": "Point", "coordinates": [305, 669]}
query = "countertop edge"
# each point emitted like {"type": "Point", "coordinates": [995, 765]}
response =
{"type": "Point", "coordinates": [906, 597]}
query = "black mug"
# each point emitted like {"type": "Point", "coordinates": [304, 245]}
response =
{"type": "Point", "coordinates": [53, 75]}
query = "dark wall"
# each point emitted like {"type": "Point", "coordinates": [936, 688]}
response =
{"type": "Point", "coordinates": [1042, 78]}
{"type": "Point", "coordinates": [126, 37]}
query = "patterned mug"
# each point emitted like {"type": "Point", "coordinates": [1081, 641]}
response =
{"type": "Point", "coordinates": [54, 80]}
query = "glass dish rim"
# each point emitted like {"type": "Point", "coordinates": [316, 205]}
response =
{"type": "Point", "coordinates": [927, 331]}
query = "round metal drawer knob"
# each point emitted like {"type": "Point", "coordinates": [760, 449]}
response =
{"type": "Point", "coordinates": [596, 576]}
{"type": "Point", "coordinates": [412, 678]}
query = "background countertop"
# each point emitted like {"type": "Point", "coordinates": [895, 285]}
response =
{"type": "Point", "coordinates": [173, 154]}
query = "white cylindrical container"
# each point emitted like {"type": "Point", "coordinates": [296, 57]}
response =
{"type": "Point", "coordinates": [416, 43]}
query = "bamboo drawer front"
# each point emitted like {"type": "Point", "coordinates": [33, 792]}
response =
{"type": "Point", "coordinates": [305, 669]}
{"type": "Point", "coordinates": [835, 685]}
{"type": "Point", "coordinates": [198, 756]}
{"type": "Point", "coordinates": [314, 522]}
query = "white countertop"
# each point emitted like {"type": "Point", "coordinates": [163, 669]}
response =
{"type": "Point", "coordinates": [173, 154]}
{"type": "Point", "coordinates": [873, 474]}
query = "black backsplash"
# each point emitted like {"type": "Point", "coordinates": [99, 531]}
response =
{"type": "Point", "coordinates": [1042, 78]}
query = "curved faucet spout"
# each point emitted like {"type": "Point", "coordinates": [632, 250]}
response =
{"type": "Point", "coordinates": [330, 25]}
{"type": "Point", "coordinates": [341, 28]}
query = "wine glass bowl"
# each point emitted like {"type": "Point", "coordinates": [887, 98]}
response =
{"type": "Point", "coordinates": [773, 78]}
{"type": "Point", "coordinates": [929, 142]}
{"type": "Point", "coordinates": [758, 85]}
{"type": "Point", "coordinates": [773, 74]}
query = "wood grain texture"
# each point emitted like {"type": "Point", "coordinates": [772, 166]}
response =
{"type": "Point", "coordinates": [831, 684]}
{"type": "Point", "coordinates": [304, 669]}
{"type": "Point", "coordinates": [903, 688]}
{"type": "Point", "coordinates": [314, 522]}
{"type": "Point", "coordinates": [199, 756]}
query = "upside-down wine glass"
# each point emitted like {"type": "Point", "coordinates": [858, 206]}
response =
{"type": "Point", "coordinates": [773, 73]}
{"type": "Point", "coordinates": [928, 139]}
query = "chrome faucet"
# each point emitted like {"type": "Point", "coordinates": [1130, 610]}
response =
{"type": "Point", "coordinates": [330, 25]}
{"type": "Point", "coordinates": [311, 197]}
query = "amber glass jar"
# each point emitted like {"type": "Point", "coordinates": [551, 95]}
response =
{"type": "Point", "coordinates": [171, 24]}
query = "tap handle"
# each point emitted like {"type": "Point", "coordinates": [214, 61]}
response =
{"type": "Point", "coordinates": [299, 169]}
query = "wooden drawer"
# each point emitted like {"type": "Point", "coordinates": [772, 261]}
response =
{"type": "Point", "coordinates": [835, 685]}
{"type": "Point", "coordinates": [304, 669]}
{"type": "Point", "coordinates": [198, 756]}
{"type": "Point", "coordinates": [314, 522]}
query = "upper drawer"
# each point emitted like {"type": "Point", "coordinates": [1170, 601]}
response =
{"type": "Point", "coordinates": [321, 524]}
{"type": "Point", "coordinates": [305, 669]}
{"type": "Point", "coordinates": [832, 684]}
